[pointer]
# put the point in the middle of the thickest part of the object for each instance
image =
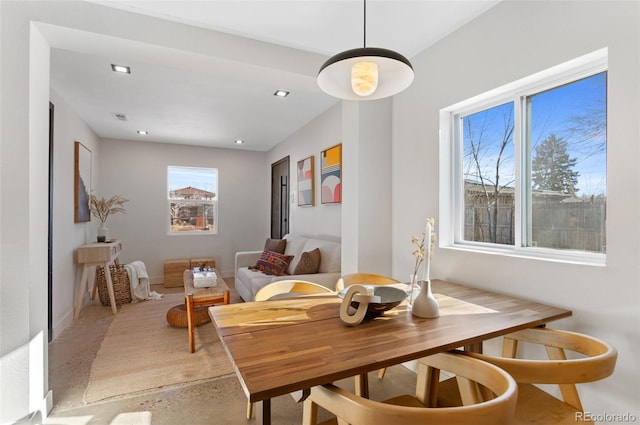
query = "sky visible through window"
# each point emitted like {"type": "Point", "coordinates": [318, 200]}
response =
{"type": "Point", "coordinates": [575, 112]}
{"type": "Point", "coordinates": [200, 178]}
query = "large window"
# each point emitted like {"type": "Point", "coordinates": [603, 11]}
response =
{"type": "Point", "coordinates": [527, 165]}
{"type": "Point", "coordinates": [192, 197]}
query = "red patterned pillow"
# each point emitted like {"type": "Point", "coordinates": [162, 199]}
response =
{"type": "Point", "coordinates": [273, 263]}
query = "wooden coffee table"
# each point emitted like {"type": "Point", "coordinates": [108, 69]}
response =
{"type": "Point", "coordinates": [196, 297]}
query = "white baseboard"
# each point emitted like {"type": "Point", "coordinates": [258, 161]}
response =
{"type": "Point", "coordinates": [62, 324]}
{"type": "Point", "coordinates": [48, 404]}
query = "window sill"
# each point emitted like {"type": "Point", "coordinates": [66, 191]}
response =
{"type": "Point", "coordinates": [191, 233]}
{"type": "Point", "coordinates": [568, 257]}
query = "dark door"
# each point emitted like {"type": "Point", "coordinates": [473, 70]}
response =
{"type": "Point", "coordinates": [280, 198]}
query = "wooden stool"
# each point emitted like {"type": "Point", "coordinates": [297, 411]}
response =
{"type": "Point", "coordinates": [202, 297]}
{"type": "Point", "coordinates": [177, 316]}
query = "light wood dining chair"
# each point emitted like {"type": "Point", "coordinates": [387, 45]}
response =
{"type": "Point", "coordinates": [362, 381]}
{"type": "Point", "coordinates": [364, 278]}
{"type": "Point", "coordinates": [290, 288]}
{"type": "Point", "coordinates": [488, 393]}
{"type": "Point", "coordinates": [591, 360]}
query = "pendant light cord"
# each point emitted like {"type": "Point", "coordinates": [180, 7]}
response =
{"type": "Point", "coordinates": [365, 24]}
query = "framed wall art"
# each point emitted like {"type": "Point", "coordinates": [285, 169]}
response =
{"type": "Point", "coordinates": [82, 183]}
{"type": "Point", "coordinates": [331, 175]}
{"type": "Point", "coordinates": [306, 182]}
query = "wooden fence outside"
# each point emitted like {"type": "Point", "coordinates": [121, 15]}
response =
{"type": "Point", "coordinates": [560, 225]}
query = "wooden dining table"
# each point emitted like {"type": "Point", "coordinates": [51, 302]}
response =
{"type": "Point", "coordinates": [289, 345]}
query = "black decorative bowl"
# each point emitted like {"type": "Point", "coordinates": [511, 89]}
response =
{"type": "Point", "coordinates": [390, 297]}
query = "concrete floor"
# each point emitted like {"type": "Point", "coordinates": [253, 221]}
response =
{"type": "Point", "coordinates": [219, 401]}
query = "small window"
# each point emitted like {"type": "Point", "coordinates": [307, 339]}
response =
{"type": "Point", "coordinates": [192, 197]}
{"type": "Point", "coordinates": [526, 166]}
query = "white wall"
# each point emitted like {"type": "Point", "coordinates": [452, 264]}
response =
{"type": "Point", "coordinates": [320, 134]}
{"type": "Point", "coordinates": [510, 41]}
{"type": "Point", "coordinates": [24, 59]}
{"type": "Point", "coordinates": [366, 217]}
{"type": "Point", "coordinates": [138, 172]}
{"type": "Point", "coordinates": [68, 235]}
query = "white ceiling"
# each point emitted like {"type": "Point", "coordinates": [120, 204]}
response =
{"type": "Point", "coordinates": [213, 106]}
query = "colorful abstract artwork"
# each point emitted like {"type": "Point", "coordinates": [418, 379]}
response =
{"type": "Point", "coordinates": [306, 192]}
{"type": "Point", "coordinates": [331, 175]}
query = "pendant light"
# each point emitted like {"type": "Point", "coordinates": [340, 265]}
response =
{"type": "Point", "coordinates": [365, 73]}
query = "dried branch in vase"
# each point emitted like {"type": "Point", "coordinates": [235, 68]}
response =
{"type": "Point", "coordinates": [102, 208]}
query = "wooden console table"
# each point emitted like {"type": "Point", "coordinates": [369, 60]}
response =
{"type": "Point", "coordinates": [96, 254]}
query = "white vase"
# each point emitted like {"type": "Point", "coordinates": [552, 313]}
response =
{"type": "Point", "coordinates": [425, 304]}
{"type": "Point", "coordinates": [103, 233]}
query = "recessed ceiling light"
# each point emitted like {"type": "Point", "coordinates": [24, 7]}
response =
{"type": "Point", "coordinates": [281, 93]}
{"type": "Point", "coordinates": [143, 132]}
{"type": "Point", "coordinates": [239, 142]}
{"type": "Point", "coordinates": [121, 68]}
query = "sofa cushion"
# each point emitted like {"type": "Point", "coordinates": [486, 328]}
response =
{"type": "Point", "coordinates": [295, 247]}
{"type": "Point", "coordinates": [275, 245]}
{"type": "Point", "coordinates": [330, 254]}
{"type": "Point", "coordinates": [309, 262]}
{"type": "Point", "coordinates": [273, 263]}
{"type": "Point", "coordinates": [248, 282]}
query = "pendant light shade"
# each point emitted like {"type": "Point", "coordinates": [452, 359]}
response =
{"type": "Point", "coordinates": [366, 73]}
{"type": "Point", "coordinates": [344, 76]}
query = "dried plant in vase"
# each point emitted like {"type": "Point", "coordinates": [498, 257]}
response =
{"type": "Point", "coordinates": [424, 304]}
{"type": "Point", "coordinates": [102, 208]}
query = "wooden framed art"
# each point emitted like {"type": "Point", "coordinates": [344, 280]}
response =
{"type": "Point", "coordinates": [306, 182]}
{"type": "Point", "coordinates": [81, 183]}
{"type": "Point", "coordinates": [331, 175]}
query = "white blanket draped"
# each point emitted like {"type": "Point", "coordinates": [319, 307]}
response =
{"type": "Point", "coordinates": [139, 280]}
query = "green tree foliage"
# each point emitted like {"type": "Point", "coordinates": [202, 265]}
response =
{"type": "Point", "coordinates": [552, 168]}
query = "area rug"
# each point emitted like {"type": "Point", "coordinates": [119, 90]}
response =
{"type": "Point", "coordinates": [142, 352]}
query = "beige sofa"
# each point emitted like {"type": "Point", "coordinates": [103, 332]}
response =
{"type": "Point", "coordinates": [248, 281]}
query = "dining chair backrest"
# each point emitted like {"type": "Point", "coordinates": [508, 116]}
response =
{"type": "Point", "coordinates": [292, 287]}
{"type": "Point", "coordinates": [488, 394]}
{"type": "Point", "coordinates": [364, 278]}
{"type": "Point", "coordinates": [596, 360]}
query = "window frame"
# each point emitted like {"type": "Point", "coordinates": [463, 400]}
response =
{"type": "Point", "coordinates": [214, 201]}
{"type": "Point", "coordinates": [451, 196]}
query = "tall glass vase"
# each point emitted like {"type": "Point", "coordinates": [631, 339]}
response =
{"type": "Point", "coordinates": [413, 288]}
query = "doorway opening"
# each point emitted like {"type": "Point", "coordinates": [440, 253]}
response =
{"type": "Point", "coordinates": [280, 198]}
